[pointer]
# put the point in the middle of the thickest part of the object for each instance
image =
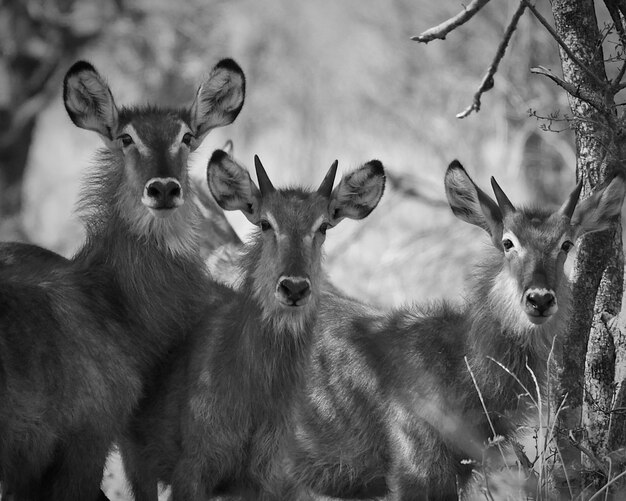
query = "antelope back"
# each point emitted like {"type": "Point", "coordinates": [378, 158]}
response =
{"type": "Point", "coordinates": [143, 171]}
{"type": "Point", "coordinates": [533, 243]}
{"type": "Point", "coordinates": [283, 262]}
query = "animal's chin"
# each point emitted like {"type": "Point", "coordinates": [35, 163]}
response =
{"type": "Point", "coordinates": [538, 319]}
{"type": "Point", "coordinates": [290, 305]}
{"type": "Point", "coordinates": [162, 213]}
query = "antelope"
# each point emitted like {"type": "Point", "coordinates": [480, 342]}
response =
{"type": "Point", "coordinates": [80, 338]}
{"type": "Point", "coordinates": [392, 406]}
{"type": "Point", "coordinates": [222, 406]}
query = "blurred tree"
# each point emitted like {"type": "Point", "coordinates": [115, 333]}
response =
{"type": "Point", "coordinates": [591, 370]}
{"type": "Point", "coordinates": [38, 41]}
{"type": "Point", "coordinates": [164, 44]}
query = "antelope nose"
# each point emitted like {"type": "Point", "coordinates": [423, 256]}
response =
{"type": "Point", "coordinates": [293, 291]}
{"type": "Point", "coordinates": [540, 301]}
{"type": "Point", "coordinates": [163, 194]}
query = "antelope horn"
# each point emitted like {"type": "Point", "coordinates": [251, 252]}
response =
{"type": "Point", "coordinates": [228, 147]}
{"type": "Point", "coordinates": [265, 185]}
{"type": "Point", "coordinates": [326, 187]}
{"type": "Point", "coordinates": [567, 209]}
{"type": "Point", "coordinates": [503, 201]}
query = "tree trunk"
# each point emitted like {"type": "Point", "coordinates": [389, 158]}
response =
{"type": "Point", "coordinates": [586, 363]}
{"type": "Point", "coordinates": [39, 40]}
{"type": "Point", "coordinates": [13, 158]}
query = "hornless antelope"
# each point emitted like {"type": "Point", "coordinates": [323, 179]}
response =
{"type": "Point", "coordinates": [391, 405]}
{"type": "Point", "coordinates": [221, 410]}
{"type": "Point", "coordinates": [79, 338]}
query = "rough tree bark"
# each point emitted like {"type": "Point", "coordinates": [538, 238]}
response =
{"type": "Point", "coordinates": [591, 360]}
{"type": "Point", "coordinates": [586, 373]}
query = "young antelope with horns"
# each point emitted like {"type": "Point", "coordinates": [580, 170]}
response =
{"type": "Point", "coordinates": [222, 407]}
{"type": "Point", "coordinates": [391, 406]}
{"type": "Point", "coordinates": [80, 338]}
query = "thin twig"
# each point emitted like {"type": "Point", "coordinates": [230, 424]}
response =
{"type": "Point", "coordinates": [441, 30]}
{"type": "Point", "coordinates": [549, 390]}
{"type": "Point", "coordinates": [567, 480]}
{"type": "Point", "coordinates": [507, 370]}
{"type": "Point", "coordinates": [614, 12]}
{"type": "Point", "coordinates": [521, 456]}
{"type": "Point", "coordinates": [615, 84]}
{"type": "Point", "coordinates": [571, 89]}
{"type": "Point", "coordinates": [607, 485]}
{"type": "Point", "coordinates": [606, 497]}
{"type": "Point", "coordinates": [539, 408]}
{"type": "Point", "coordinates": [560, 41]}
{"type": "Point", "coordinates": [487, 82]}
{"type": "Point", "coordinates": [552, 432]}
{"type": "Point", "coordinates": [487, 490]}
{"type": "Point", "coordinates": [482, 401]}
{"type": "Point", "coordinates": [577, 445]}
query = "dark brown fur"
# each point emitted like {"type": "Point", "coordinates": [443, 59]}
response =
{"type": "Point", "coordinates": [222, 409]}
{"type": "Point", "coordinates": [390, 404]}
{"type": "Point", "coordinates": [80, 337]}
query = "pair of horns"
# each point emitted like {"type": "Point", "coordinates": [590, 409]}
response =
{"type": "Point", "coordinates": [266, 186]}
{"type": "Point", "coordinates": [567, 209]}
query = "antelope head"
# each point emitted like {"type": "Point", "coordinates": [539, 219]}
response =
{"type": "Point", "coordinates": [151, 145]}
{"type": "Point", "coordinates": [287, 249]}
{"type": "Point", "coordinates": [533, 242]}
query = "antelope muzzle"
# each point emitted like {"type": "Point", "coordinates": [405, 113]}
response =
{"type": "Point", "coordinates": [162, 196]}
{"type": "Point", "coordinates": [540, 304]}
{"type": "Point", "coordinates": [293, 291]}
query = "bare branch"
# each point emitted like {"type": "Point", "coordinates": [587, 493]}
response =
{"type": "Point", "coordinates": [615, 84]}
{"type": "Point", "coordinates": [617, 9]}
{"type": "Point", "coordinates": [613, 8]}
{"type": "Point", "coordinates": [487, 82]}
{"type": "Point", "coordinates": [560, 41]}
{"type": "Point", "coordinates": [599, 464]}
{"type": "Point", "coordinates": [571, 89]}
{"type": "Point", "coordinates": [440, 31]}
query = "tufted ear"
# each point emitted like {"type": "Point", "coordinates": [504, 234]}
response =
{"type": "Point", "coordinates": [471, 204]}
{"type": "Point", "coordinates": [218, 100]}
{"type": "Point", "coordinates": [597, 212]}
{"type": "Point", "coordinates": [232, 187]}
{"type": "Point", "coordinates": [88, 100]}
{"type": "Point", "coordinates": [358, 192]}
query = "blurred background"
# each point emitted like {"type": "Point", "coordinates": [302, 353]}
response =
{"type": "Point", "coordinates": [326, 80]}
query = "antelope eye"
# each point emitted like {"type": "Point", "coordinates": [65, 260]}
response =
{"type": "Point", "coordinates": [323, 227]}
{"type": "Point", "coordinates": [566, 246]}
{"type": "Point", "coordinates": [507, 244]}
{"type": "Point", "coordinates": [187, 137]}
{"type": "Point", "coordinates": [265, 225]}
{"type": "Point", "coordinates": [126, 140]}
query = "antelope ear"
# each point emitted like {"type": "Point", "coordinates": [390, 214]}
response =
{"type": "Point", "coordinates": [89, 102]}
{"type": "Point", "coordinates": [471, 204]}
{"type": "Point", "coordinates": [598, 212]}
{"type": "Point", "coordinates": [358, 192]}
{"type": "Point", "coordinates": [218, 100]}
{"type": "Point", "coordinates": [232, 187]}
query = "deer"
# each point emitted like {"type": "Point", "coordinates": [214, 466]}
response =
{"type": "Point", "coordinates": [221, 411]}
{"type": "Point", "coordinates": [81, 338]}
{"type": "Point", "coordinates": [392, 403]}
